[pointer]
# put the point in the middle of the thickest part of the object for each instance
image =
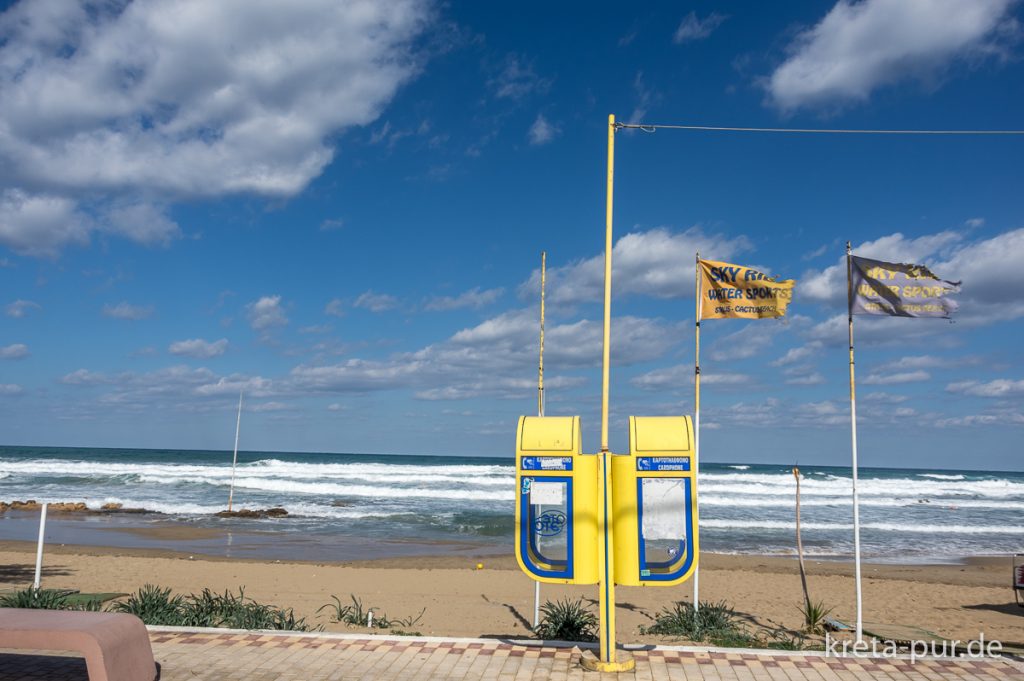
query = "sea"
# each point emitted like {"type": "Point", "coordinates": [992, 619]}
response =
{"type": "Point", "coordinates": [360, 506]}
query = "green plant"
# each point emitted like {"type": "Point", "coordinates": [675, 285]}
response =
{"type": "Point", "coordinates": [356, 615]}
{"type": "Point", "coordinates": [353, 615]}
{"type": "Point", "coordinates": [814, 616]}
{"type": "Point", "coordinates": [566, 620]}
{"type": "Point", "coordinates": [38, 599]}
{"type": "Point", "coordinates": [153, 605]}
{"type": "Point", "coordinates": [682, 620]}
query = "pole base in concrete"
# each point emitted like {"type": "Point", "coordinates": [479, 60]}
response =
{"type": "Point", "coordinates": [624, 662]}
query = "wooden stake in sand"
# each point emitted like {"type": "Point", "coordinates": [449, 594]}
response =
{"type": "Point", "coordinates": [799, 542]}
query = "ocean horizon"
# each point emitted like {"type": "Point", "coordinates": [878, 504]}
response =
{"type": "Point", "coordinates": [393, 504]}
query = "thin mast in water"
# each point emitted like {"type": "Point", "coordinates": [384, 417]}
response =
{"type": "Point", "coordinates": [234, 458]}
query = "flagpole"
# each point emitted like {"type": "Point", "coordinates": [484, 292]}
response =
{"type": "Point", "coordinates": [540, 409]}
{"type": "Point", "coordinates": [696, 422]}
{"type": "Point", "coordinates": [853, 442]}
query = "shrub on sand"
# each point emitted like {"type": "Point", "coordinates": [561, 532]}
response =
{"type": "Point", "coordinates": [566, 620]}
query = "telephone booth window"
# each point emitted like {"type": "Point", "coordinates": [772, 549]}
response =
{"type": "Point", "coordinates": [664, 527]}
{"type": "Point", "coordinates": [547, 505]}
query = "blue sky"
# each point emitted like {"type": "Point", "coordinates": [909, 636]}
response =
{"type": "Point", "coordinates": [339, 208]}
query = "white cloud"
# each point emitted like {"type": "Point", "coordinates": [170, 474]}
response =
{"type": "Point", "coordinates": [998, 388]}
{"type": "Point", "coordinates": [125, 310]}
{"type": "Point", "coordinates": [198, 348]}
{"type": "Point", "coordinates": [15, 351]}
{"type": "Point", "coordinates": [143, 223]}
{"type": "Point", "coordinates": [20, 308]}
{"type": "Point", "coordinates": [814, 378]}
{"type": "Point", "coordinates": [657, 263]}
{"type": "Point", "coordinates": [645, 98]}
{"type": "Point", "coordinates": [682, 375]}
{"type": "Point", "coordinates": [10, 389]}
{"type": "Point", "coordinates": [798, 354]}
{"type": "Point", "coordinates": [517, 79]}
{"type": "Point", "coordinates": [183, 99]}
{"type": "Point", "coordinates": [691, 28]}
{"type": "Point", "coordinates": [376, 302]}
{"type": "Point", "coordinates": [861, 46]}
{"type": "Point", "coordinates": [84, 377]}
{"type": "Point", "coordinates": [896, 378]}
{"type": "Point", "coordinates": [253, 386]}
{"type": "Point", "coordinates": [928, 362]}
{"type": "Point", "coordinates": [269, 407]}
{"type": "Point", "coordinates": [41, 224]}
{"type": "Point", "coordinates": [992, 272]}
{"type": "Point", "coordinates": [332, 225]}
{"type": "Point", "coordinates": [496, 358]}
{"type": "Point", "coordinates": [542, 131]}
{"type": "Point", "coordinates": [474, 298]}
{"type": "Point", "coordinates": [335, 308]}
{"type": "Point", "coordinates": [266, 313]}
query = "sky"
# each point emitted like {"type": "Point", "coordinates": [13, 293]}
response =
{"type": "Point", "coordinates": [339, 209]}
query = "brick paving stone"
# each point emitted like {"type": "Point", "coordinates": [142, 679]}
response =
{"type": "Point", "coordinates": [230, 656]}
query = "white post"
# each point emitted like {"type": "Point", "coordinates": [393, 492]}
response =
{"type": "Point", "coordinates": [234, 457]}
{"type": "Point", "coordinates": [853, 444]}
{"type": "Point", "coordinates": [39, 549]}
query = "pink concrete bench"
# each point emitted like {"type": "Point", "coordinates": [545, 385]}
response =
{"type": "Point", "coordinates": [116, 646]}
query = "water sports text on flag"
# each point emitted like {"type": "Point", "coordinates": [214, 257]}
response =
{"type": "Point", "coordinates": [737, 292]}
{"type": "Point", "coordinates": [899, 289]}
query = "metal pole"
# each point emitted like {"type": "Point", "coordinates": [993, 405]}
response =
{"type": "Point", "coordinates": [540, 366]}
{"type": "Point", "coordinates": [540, 410]}
{"type": "Point", "coordinates": [234, 459]}
{"type": "Point", "coordinates": [39, 549]}
{"type": "Point", "coordinates": [853, 442]}
{"type": "Point", "coordinates": [606, 549]}
{"type": "Point", "coordinates": [698, 297]}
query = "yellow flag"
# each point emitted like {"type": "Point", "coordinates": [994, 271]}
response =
{"type": "Point", "coordinates": [737, 292]}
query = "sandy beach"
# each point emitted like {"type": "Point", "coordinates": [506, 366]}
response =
{"type": "Point", "coordinates": [956, 601]}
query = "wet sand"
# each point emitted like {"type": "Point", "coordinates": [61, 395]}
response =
{"type": "Point", "coordinates": [953, 600]}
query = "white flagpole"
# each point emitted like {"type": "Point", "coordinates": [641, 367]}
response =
{"type": "Point", "coordinates": [234, 459]}
{"type": "Point", "coordinates": [39, 549]}
{"type": "Point", "coordinates": [853, 442]}
{"type": "Point", "coordinates": [696, 426]}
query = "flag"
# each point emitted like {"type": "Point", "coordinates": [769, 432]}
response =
{"type": "Point", "coordinates": [899, 290]}
{"type": "Point", "coordinates": [737, 292]}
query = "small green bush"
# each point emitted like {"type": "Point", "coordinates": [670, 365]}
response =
{"type": "Point", "coordinates": [37, 599]}
{"type": "Point", "coordinates": [566, 620]}
{"type": "Point", "coordinates": [814, 616]}
{"type": "Point", "coordinates": [683, 621]}
{"type": "Point", "coordinates": [154, 605]}
{"type": "Point", "coordinates": [716, 623]}
{"type": "Point", "coordinates": [157, 606]}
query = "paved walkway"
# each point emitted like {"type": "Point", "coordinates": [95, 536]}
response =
{"type": "Point", "coordinates": [192, 656]}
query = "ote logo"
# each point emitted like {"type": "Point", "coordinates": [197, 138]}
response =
{"type": "Point", "coordinates": [549, 523]}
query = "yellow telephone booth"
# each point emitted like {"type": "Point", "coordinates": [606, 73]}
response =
{"type": "Point", "coordinates": [556, 501]}
{"type": "Point", "coordinates": [654, 500]}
